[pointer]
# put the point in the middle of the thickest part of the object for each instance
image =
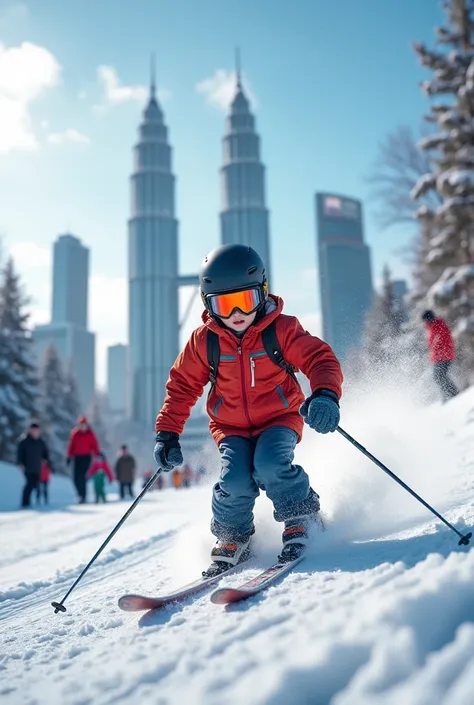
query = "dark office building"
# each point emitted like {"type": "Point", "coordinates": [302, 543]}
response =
{"type": "Point", "coordinates": [345, 275]}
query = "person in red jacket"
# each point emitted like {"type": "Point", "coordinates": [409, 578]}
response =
{"type": "Point", "coordinates": [83, 445]}
{"type": "Point", "coordinates": [442, 353]}
{"type": "Point", "coordinates": [256, 408]}
{"type": "Point", "coordinates": [99, 470]}
{"type": "Point", "coordinates": [43, 482]}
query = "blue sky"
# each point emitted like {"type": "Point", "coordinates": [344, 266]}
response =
{"type": "Point", "coordinates": [330, 79]}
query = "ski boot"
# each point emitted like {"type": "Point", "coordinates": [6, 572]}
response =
{"type": "Point", "coordinates": [296, 536]}
{"type": "Point", "coordinates": [226, 555]}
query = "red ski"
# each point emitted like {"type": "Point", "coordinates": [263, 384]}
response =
{"type": "Point", "coordinates": [139, 603]}
{"type": "Point", "coordinates": [229, 595]}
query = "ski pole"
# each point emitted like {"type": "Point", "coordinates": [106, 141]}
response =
{"type": "Point", "coordinates": [59, 606]}
{"type": "Point", "coordinates": [463, 541]}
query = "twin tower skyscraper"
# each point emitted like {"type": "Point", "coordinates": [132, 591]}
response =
{"type": "Point", "coordinates": [153, 239]}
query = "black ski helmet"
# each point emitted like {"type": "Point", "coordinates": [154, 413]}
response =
{"type": "Point", "coordinates": [428, 316]}
{"type": "Point", "coordinates": [231, 268]}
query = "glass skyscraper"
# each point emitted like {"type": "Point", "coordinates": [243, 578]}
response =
{"type": "Point", "coordinates": [345, 275]}
{"type": "Point", "coordinates": [70, 281]}
{"type": "Point", "coordinates": [153, 267]}
{"type": "Point", "coordinates": [68, 328]}
{"type": "Point", "coordinates": [244, 215]}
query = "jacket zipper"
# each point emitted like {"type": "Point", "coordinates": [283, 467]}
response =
{"type": "Point", "coordinates": [252, 372]}
{"type": "Point", "coordinates": [242, 385]}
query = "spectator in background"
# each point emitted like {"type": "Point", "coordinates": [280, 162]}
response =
{"type": "Point", "coordinates": [187, 476]}
{"type": "Point", "coordinates": [83, 445]}
{"type": "Point", "coordinates": [31, 452]}
{"type": "Point", "coordinates": [176, 478]}
{"type": "Point", "coordinates": [42, 486]}
{"type": "Point", "coordinates": [147, 475]}
{"type": "Point", "coordinates": [442, 353]}
{"type": "Point", "coordinates": [99, 470]}
{"type": "Point", "coordinates": [125, 467]}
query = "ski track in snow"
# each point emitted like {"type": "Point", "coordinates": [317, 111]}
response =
{"type": "Point", "coordinates": [386, 619]}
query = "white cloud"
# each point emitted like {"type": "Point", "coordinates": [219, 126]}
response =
{"type": "Point", "coordinates": [219, 89]}
{"type": "Point", "coordinates": [312, 322]}
{"type": "Point", "coordinates": [69, 135]}
{"type": "Point", "coordinates": [116, 93]}
{"type": "Point", "coordinates": [26, 72]}
{"type": "Point", "coordinates": [39, 316]}
{"type": "Point", "coordinates": [28, 256]}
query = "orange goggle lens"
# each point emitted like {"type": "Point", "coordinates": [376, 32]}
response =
{"type": "Point", "coordinates": [223, 305]}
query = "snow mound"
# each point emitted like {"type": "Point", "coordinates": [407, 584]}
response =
{"type": "Point", "coordinates": [379, 613]}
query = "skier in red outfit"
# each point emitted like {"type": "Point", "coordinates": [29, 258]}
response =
{"type": "Point", "coordinates": [256, 406]}
{"type": "Point", "coordinates": [442, 353]}
{"type": "Point", "coordinates": [83, 445]}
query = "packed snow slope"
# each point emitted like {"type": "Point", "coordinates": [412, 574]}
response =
{"type": "Point", "coordinates": [380, 613]}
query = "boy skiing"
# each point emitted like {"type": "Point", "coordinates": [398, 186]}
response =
{"type": "Point", "coordinates": [256, 406]}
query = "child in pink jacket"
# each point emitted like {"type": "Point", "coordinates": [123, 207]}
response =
{"type": "Point", "coordinates": [43, 482]}
{"type": "Point", "coordinates": [98, 471]}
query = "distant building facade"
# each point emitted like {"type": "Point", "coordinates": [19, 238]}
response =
{"type": "Point", "coordinates": [117, 378]}
{"type": "Point", "coordinates": [68, 328]}
{"type": "Point", "coordinates": [244, 216]}
{"type": "Point", "coordinates": [345, 274]}
{"type": "Point", "coordinates": [152, 267]}
{"type": "Point", "coordinates": [400, 291]}
{"type": "Point", "coordinates": [70, 281]}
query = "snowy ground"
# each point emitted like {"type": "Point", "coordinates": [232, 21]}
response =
{"type": "Point", "coordinates": [381, 612]}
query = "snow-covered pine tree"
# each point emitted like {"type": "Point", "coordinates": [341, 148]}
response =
{"type": "Point", "coordinates": [393, 350]}
{"type": "Point", "coordinates": [97, 414]}
{"type": "Point", "coordinates": [449, 261]}
{"type": "Point", "coordinates": [71, 403]}
{"type": "Point", "coordinates": [56, 420]}
{"type": "Point", "coordinates": [19, 394]}
{"type": "Point", "coordinates": [383, 326]}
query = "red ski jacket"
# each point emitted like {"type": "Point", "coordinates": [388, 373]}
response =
{"type": "Point", "coordinates": [82, 443]}
{"type": "Point", "coordinates": [100, 466]}
{"type": "Point", "coordinates": [252, 393]}
{"type": "Point", "coordinates": [440, 341]}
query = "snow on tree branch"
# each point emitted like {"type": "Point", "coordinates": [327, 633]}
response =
{"type": "Point", "coordinates": [449, 256]}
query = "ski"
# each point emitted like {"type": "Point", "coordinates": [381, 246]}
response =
{"type": "Point", "coordinates": [269, 576]}
{"type": "Point", "coordinates": [139, 603]}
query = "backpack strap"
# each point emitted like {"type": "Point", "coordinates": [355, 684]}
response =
{"type": "Point", "coordinates": [273, 349]}
{"type": "Point", "coordinates": [270, 343]}
{"type": "Point", "coordinates": [213, 355]}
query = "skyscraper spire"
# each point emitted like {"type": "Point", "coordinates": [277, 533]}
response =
{"type": "Point", "coordinates": [153, 264]}
{"type": "Point", "coordinates": [244, 214]}
{"type": "Point", "coordinates": [153, 75]}
{"type": "Point", "coordinates": [237, 68]}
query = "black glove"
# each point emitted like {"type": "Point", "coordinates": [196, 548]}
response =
{"type": "Point", "coordinates": [167, 450]}
{"type": "Point", "coordinates": [68, 461]}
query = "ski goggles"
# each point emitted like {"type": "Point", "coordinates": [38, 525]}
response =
{"type": "Point", "coordinates": [246, 301]}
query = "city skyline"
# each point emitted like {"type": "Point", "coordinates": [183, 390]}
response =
{"type": "Point", "coordinates": [67, 330]}
{"type": "Point", "coordinates": [345, 272]}
{"type": "Point", "coordinates": [313, 139]}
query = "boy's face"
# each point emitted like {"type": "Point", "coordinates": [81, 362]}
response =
{"type": "Point", "coordinates": [239, 321]}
